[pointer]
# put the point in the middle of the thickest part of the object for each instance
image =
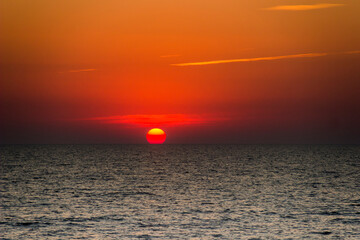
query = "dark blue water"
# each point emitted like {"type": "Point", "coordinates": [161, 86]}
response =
{"type": "Point", "coordinates": [179, 192]}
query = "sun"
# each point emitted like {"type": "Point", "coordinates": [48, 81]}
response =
{"type": "Point", "coordinates": [156, 136]}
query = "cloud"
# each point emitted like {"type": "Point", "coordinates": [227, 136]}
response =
{"type": "Point", "coordinates": [148, 120]}
{"type": "Point", "coordinates": [80, 70]}
{"type": "Point", "coordinates": [352, 52]}
{"type": "Point", "coordinates": [303, 55]}
{"type": "Point", "coordinates": [303, 7]}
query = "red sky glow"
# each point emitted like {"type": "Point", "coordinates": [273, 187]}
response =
{"type": "Point", "coordinates": [204, 71]}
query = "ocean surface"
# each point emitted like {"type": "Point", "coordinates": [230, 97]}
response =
{"type": "Point", "coordinates": [179, 192]}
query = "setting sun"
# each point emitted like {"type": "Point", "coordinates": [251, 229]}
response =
{"type": "Point", "coordinates": [156, 136]}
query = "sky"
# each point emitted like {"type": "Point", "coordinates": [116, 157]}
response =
{"type": "Point", "coordinates": [204, 71]}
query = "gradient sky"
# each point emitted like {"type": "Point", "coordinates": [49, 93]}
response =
{"type": "Point", "coordinates": [205, 71]}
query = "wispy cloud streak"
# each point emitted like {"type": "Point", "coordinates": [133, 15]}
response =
{"type": "Point", "coordinates": [149, 120]}
{"type": "Point", "coordinates": [79, 70]}
{"type": "Point", "coordinates": [303, 7]}
{"type": "Point", "coordinates": [303, 55]}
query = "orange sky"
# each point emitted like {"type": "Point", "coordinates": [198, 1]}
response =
{"type": "Point", "coordinates": [206, 71]}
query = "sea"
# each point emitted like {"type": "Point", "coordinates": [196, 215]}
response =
{"type": "Point", "coordinates": [180, 192]}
